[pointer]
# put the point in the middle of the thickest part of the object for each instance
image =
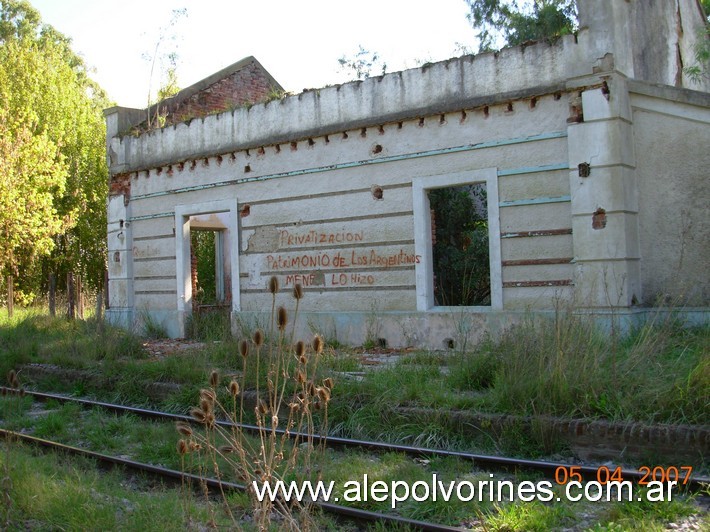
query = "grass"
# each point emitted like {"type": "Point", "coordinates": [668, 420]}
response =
{"type": "Point", "coordinates": [531, 517]}
{"type": "Point", "coordinates": [154, 442]}
{"type": "Point", "coordinates": [210, 326]}
{"type": "Point", "coordinates": [644, 515]}
{"type": "Point", "coordinates": [53, 492]}
{"type": "Point", "coordinates": [660, 373]}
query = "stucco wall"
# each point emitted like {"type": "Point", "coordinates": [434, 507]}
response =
{"type": "Point", "coordinates": [672, 139]}
{"type": "Point", "coordinates": [448, 86]}
{"type": "Point", "coordinates": [597, 183]}
{"type": "Point", "coordinates": [292, 192]}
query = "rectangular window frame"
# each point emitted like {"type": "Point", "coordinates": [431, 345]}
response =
{"type": "Point", "coordinates": [424, 270]}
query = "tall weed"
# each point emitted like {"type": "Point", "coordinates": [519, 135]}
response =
{"type": "Point", "coordinates": [287, 399]}
{"type": "Point", "coordinates": [568, 366]}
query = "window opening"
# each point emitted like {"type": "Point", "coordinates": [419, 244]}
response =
{"type": "Point", "coordinates": [460, 245]}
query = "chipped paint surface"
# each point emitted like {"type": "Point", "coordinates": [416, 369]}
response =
{"type": "Point", "coordinates": [329, 189]}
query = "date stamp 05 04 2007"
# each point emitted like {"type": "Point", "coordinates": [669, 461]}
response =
{"type": "Point", "coordinates": [680, 475]}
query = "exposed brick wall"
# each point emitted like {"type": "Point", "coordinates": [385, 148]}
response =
{"type": "Point", "coordinates": [193, 277]}
{"type": "Point", "coordinates": [119, 184]}
{"type": "Point", "coordinates": [248, 85]}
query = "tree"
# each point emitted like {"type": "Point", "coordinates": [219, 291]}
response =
{"type": "Point", "coordinates": [167, 62]}
{"type": "Point", "coordinates": [31, 174]}
{"type": "Point", "coordinates": [52, 145]}
{"type": "Point", "coordinates": [520, 21]}
{"type": "Point", "coordinates": [701, 67]}
{"type": "Point", "coordinates": [362, 63]}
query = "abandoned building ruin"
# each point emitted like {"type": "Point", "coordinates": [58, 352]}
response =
{"type": "Point", "coordinates": [581, 166]}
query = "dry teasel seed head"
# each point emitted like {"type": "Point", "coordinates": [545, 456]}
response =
{"type": "Point", "coordinates": [274, 421]}
{"type": "Point", "coordinates": [317, 344]}
{"type": "Point", "coordinates": [303, 359]}
{"type": "Point", "coordinates": [244, 348]}
{"type": "Point", "coordinates": [194, 446]}
{"type": "Point", "coordinates": [312, 389]}
{"type": "Point", "coordinates": [323, 394]}
{"type": "Point", "coordinates": [198, 415]}
{"type": "Point", "coordinates": [263, 409]}
{"type": "Point", "coordinates": [281, 318]}
{"type": "Point", "coordinates": [300, 377]}
{"type": "Point", "coordinates": [210, 420]}
{"type": "Point", "coordinates": [214, 378]}
{"type": "Point", "coordinates": [297, 291]}
{"type": "Point", "coordinates": [328, 383]}
{"type": "Point", "coordinates": [206, 406]}
{"type": "Point", "coordinates": [233, 388]}
{"type": "Point", "coordinates": [11, 376]}
{"type": "Point", "coordinates": [294, 406]}
{"type": "Point", "coordinates": [273, 284]}
{"type": "Point", "coordinates": [182, 447]}
{"type": "Point", "coordinates": [300, 349]}
{"type": "Point", "coordinates": [208, 395]}
{"type": "Point", "coordinates": [258, 338]}
{"type": "Point", "coordinates": [183, 428]}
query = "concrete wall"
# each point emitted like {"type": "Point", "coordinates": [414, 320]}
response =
{"type": "Point", "coordinates": [309, 212]}
{"type": "Point", "coordinates": [650, 40]}
{"type": "Point", "coordinates": [673, 137]}
{"type": "Point", "coordinates": [328, 189]}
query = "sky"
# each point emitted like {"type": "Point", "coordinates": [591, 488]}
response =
{"type": "Point", "coordinates": [299, 43]}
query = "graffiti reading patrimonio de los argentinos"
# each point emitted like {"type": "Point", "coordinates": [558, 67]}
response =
{"type": "Point", "coordinates": [336, 259]}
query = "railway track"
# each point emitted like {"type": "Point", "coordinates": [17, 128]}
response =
{"type": "Point", "coordinates": [221, 486]}
{"type": "Point", "coordinates": [550, 469]}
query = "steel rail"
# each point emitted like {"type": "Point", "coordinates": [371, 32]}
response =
{"type": "Point", "coordinates": [588, 472]}
{"type": "Point", "coordinates": [214, 484]}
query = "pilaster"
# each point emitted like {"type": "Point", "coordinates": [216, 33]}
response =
{"type": "Point", "coordinates": [604, 197]}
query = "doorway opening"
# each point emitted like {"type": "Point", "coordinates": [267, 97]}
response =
{"type": "Point", "coordinates": [207, 267]}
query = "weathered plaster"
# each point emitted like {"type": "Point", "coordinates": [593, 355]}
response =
{"type": "Point", "coordinates": [595, 183]}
